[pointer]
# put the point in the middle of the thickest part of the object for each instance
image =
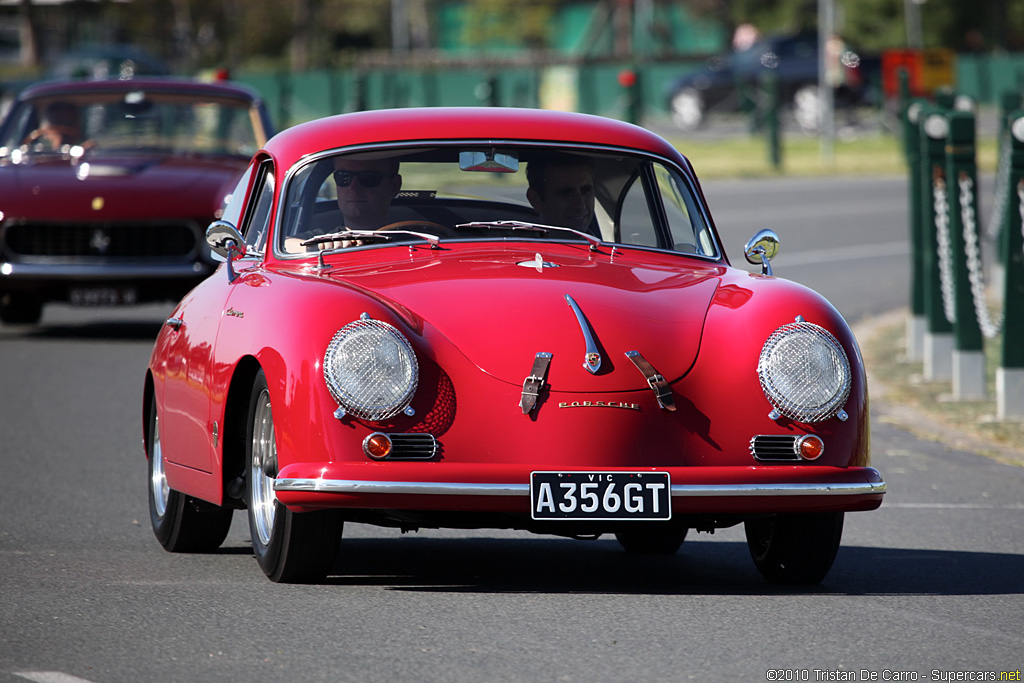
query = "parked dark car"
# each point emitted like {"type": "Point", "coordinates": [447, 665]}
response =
{"type": "Point", "coordinates": [106, 188]}
{"type": "Point", "coordinates": [726, 81]}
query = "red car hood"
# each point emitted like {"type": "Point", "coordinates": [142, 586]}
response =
{"type": "Point", "coordinates": [500, 309]}
{"type": "Point", "coordinates": [127, 186]}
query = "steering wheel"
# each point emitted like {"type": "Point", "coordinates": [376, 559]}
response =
{"type": "Point", "coordinates": [431, 228]}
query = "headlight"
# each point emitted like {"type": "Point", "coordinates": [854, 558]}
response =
{"type": "Point", "coordinates": [804, 372]}
{"type": "Point", "coordinates": [371, 370]}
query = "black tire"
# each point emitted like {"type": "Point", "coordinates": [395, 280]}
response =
{"type": "Point", "coordinates": [20, 309]}
{"type": "Point", "coordinates": [652, 540]}
{"type": "Point", "coordinates": [795, 548]}
{"type": "Point", "coordinates": [290, 547]}
{"type": "Point", "coordinates": [181, 524]}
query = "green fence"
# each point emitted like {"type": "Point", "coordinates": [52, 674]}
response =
{"type": "Point", "coordinates": [589, 88]}
{"type": "Point", "coordinates": [596, 89]}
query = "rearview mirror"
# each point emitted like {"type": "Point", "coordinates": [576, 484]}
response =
{"type": "Point", "coordinates": [491, 161]}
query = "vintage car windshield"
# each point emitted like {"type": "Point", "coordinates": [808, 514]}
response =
{"type": "Point", "coordinates": [138, 121]}
{"type": "Point", "coordinates": [464, 192]}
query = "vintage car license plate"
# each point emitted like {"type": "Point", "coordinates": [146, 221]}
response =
{"type": "Point", "coordinates": [600, 495]}
{"type": "Point", "coordinates": [102, 296]}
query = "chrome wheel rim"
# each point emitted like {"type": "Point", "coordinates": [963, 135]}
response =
{"type": "Point", "coordinates": [158, 478]}
{"type": "Point", "coordinates": [262, 499]}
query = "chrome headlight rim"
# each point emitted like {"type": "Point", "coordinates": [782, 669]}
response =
{"type": "Point", "coordinates": [790, 355]}
{"type": "Point", "coordinates": [364, 383]}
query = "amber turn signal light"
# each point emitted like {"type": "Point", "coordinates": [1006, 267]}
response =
{"type": "Point", "coordinates": [810, 447]}
{"type": "Point", "coordinates": [377, 446]}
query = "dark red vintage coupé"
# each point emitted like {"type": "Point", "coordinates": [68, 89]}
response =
{"type": "Point", "coordinates": [542, 333]}
{"type": "Point", "coordinates": [106, 188]}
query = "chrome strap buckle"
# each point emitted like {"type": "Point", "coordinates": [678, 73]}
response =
{"type": "Point", "coordinates": [535, 382]}
{"type": "Point", "coordinates": [662, 392]}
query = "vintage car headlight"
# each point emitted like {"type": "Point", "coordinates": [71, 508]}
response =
{"type": "Point", "coordinates": [804, 372]}
{"type": "Point", "coordinates": [371, 369]}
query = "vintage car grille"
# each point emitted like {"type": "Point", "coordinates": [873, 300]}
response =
{"type": "Point", "coordinates": [774, 448]}
{"type": "Point", "coordinates": [120, 240]}
{"type": "Point", "coordinates": [412, 446]}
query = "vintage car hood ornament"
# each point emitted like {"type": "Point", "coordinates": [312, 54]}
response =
{"type": "Point", "coordinates": [507, 311]}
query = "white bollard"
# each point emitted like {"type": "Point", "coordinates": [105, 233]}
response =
{"type": "Point", "coordinates": [938, 356]}
{"type": "Point", "coordinates": [1010, 393]}
{"type": "Point", "coordinates": [968, 375]}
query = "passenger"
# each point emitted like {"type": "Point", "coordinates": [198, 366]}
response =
{"type": "Point", "coordinates": [561, 190]}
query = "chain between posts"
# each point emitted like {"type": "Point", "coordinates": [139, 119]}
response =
{"type": "Point", "coordinates": [944, 245]}
{"type": "Point", "coordinates": [990, 325]}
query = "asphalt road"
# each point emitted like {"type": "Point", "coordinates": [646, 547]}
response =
{"type": "Point", "coordinates": [930, 584]}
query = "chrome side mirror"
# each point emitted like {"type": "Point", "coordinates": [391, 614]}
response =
{"type": "Point", "coordinates": [761, 249]}
{"type": "Point", "coordinates": [226, 242]}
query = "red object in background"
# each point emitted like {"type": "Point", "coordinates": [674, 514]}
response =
{"type": "Point", "coordinates": [927, 70]}
{"type": "Point", "coordinates": [627, 78]}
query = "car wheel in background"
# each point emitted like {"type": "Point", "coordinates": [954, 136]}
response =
{"type": "Point", "coordinates": [652, 540]}
{"type": "Point", "coordinates": [795, 548]}
{"type": "Point", "coordinates": [181, 523]}
{"type": "Point", "coordinates": [688, 108]}
{"type": "Point", "coordinates": [291, 547]}
{"type": "Point", "coordinates": [807, 108]}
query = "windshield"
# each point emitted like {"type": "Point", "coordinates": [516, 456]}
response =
{"type": "Point", "coordinates": [511, 192]}
{"type": "Point", "coordinates": [137, 121]}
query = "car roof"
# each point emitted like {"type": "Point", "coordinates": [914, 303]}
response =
{"type": "Point", "coordinates": [493, 125]}
{"type": "Point", "coordinates": [162, 84]}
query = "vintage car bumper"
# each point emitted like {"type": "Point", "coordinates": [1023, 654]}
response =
{"type": "Point", "coordinates": [15, 272]}
{"type": "Point", "coordinates": [505, 488]}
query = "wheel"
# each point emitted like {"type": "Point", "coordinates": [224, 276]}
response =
{"type": "Point", "coordinates": [290, 547]}
{"type": "Point", "coordinates": [807, 108]}
{"type": "Point", "coordinates": [20, 309]}
{"type": "Point", "coordinates": [688, 108]}
{"type": "Point", "coordinates": [652, 540]}
{"type": "Point", "coordinates": [182, 524]}
{"type": "Point", "coordinates": [795, 548]}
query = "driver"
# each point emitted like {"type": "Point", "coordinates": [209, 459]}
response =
{"type": "Point", "coordinates": [61, 125]}
{"type": "Point", "coordinates": [365, 190]}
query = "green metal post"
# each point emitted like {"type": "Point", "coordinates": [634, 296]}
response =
{"type": "Point", "coordinates": [1010, 374]}
{"type": "Point", "coordinates": [938, 339]}
{"type": "Point", "coordinates": [772, 89]}
{"type": "Point", "coordinates": [962, 183]}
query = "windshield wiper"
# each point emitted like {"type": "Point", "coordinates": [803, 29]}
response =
{"type": "Point", "coordinates": [433, 240]}
{"type": "Point", "coordinates": [595, 242]}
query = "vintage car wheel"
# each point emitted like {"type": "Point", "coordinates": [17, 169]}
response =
{"type": "Point", "coordinates": [688, 108]}
{"type": "Point", "coordinates": [290, 547]}
{"type": "Point", "coordinates": [181, 523]}
{"type": "Point", "coordinates": [18, 309]}
{"type": "Point", "coordinates": [651, 540]}
{"type": "Point", "coordinates": [795, 548]}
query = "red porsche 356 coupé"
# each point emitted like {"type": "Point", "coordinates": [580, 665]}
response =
{"type": "Point", "coordinates": [107, 186]}
{"type": "Point", "coordinates": [497, 318]}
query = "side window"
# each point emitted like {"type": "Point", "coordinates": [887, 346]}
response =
{"type": "Point", "coordinates": [258, 224]}
{"type": "Point", "coordinates": [690, 233]}
{"type": "Point", "coordinates": [232, 212]}
{"type": "Point", "coordinates": [636, 224]}
{"type": "Point", "coordinates": [657, 194]}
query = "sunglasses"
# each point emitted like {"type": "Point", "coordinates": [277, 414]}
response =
{"type": "Point", "coordinates": [365, 178]}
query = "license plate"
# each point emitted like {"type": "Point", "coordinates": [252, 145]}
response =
{"type": "Point", "coordinates": [600, 495]}
{"type": "Point", "coordinates": [102, 296]}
